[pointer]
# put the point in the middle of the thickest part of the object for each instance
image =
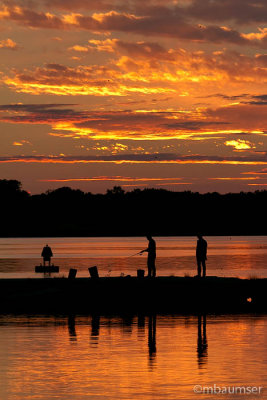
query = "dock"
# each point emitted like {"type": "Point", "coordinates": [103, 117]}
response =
{"type": "Point", "coordinates": [133, 294]}
{"type": "Point", "coordinates": [46, 269]}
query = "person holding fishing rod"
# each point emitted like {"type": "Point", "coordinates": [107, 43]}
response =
{"type": "Point", "coordinates": [151, 256]}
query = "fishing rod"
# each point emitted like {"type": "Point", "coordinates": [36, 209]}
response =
{"type": "Point", "coordinates": [136, 254]}
{"type": "Point", "coordinates": [125, 258]}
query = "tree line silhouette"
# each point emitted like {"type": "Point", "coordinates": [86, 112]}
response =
{"type": "Point", "coordinates": [71, 212]}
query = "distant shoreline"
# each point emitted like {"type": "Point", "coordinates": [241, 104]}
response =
{"type": "Point", "coordinates": [130, 236]}
{"type": "Point", "coordinates": [67, 212]}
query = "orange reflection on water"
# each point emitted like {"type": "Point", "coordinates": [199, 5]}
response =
{"type": "Point", "coordinates": [244, 257]}
{"type": "Point", "coordinates": [79, 357]}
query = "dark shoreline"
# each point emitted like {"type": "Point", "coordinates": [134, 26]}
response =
{"type": "Point", "coordinates": [137, 235]}
{"type": "Point", "coordinates": [130, 235]}
{"type": "Point", "coordinates": [131, 294]}
{"type": "Point", "coordinates": [67, 212]}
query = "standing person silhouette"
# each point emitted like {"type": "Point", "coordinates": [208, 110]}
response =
{"type": "Point", "coordinates": [151, 256]}
{"type": "Point", "coordinates": [201, 255]}
{"type": "Point", "coordinates": [47, 254]}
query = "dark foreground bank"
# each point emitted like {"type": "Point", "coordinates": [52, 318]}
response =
{"type": "Point", "coordinates": [129, 294]}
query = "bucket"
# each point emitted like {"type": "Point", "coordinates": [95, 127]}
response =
{"type": "Point", "coordinates": [140, 273]}
{"type": "Point", "coordinates": [72, 273]}
{"type": "Point", "coordinates": [93, 272]}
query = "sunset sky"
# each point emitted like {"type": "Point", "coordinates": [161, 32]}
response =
{"type": "Point", "coordinates": [157, 93]}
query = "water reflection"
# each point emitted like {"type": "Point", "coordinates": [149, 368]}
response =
{"type": "Point", "coordinates": [71, 327]}
{"type": "Point", "coordinates": [139, 357]}
{"type": "Point", "coordinates": [141, 321]}
{"type": "Point", "coordinates": [202, 342]}
{"type": "Point", "coordinates": [127, 324]}
{"type": "Point", "coordinates": [95, 327]}
{"type": "Point", "coordinates": [152, 321]}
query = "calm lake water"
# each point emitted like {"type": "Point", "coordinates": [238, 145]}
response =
{"type": "Point", "coordinates": [80, 357]}
{"type": "Point", "coordinates": [227, 256]}
{"type": "Point", "coordinates": [140, 358]}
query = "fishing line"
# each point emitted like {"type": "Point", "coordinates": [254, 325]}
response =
{"type": "Point", "coordinates": [123, 258]}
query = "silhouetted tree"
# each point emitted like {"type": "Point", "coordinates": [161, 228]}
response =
{"type": "Point", "coordinates": [116, 191]}
{"type": "Point", "coordinates": [71, 212]}
{"type": "Point", "coordinates": [11, 189]}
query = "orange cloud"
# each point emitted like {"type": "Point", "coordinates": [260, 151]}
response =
{"type": "Point", "coordinates": [251, 117]}
{"type": "Point", "coordinates": [156, 158]}
{"type": "Point", "coordinates": [234, 179]}
{"type": "Point", "coordinates": [199, 125]}
{"type": "Point", "coordinates": [8, 44]}
{"type": "Point", "coordinates": [259, 36]}
{"type": "Point", "coordinates": [96, 80]}
{"type": "Point", "coordinates": [239, 11]}
{"type": "Point", "coordinates": [133, 125]}
{"type": "Point", "coordinates": [257, 184]}
{"type": "Point", "coordinates": [21, 143]}
{"type": "Point", "coordinates": [78, 48]}
{"type": "Point", "coordinates": [170, 23]}
{"type": "Point", "coordinates": [239, 144]}
{"type": "Point", "coordinates": [144, 68]}
{"type": "Point", "coordinates": [113, 178]}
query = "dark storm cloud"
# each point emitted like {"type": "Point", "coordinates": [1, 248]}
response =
{"type": "Point", "coordinates": [260, 100]}
{"type": "Point", "coordinates": [31, 108]}
{"type": "Point", "coordinates": [244, 98]}
{"type": "Point", "coordinates": [140, 158]}
{"type": "Point", "coordinates": [162, 22]}
{"type": "Point", "coordinates": [227, 97]}
{"type": "Point", "coordinates": [238, 11]}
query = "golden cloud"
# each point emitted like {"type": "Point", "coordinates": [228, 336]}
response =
{"type": "Point", "coordinates": [139, 125]}
{"type": "Point", "coordinates": [8, 44]}
{"type": "Point", "coordinates": [113, 179]}
{"type": "Point", "coordinates": [152, 70]}
{"type": "Point", "coordinates": [239, 144]}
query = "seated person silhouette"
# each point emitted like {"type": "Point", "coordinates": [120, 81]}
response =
{"type": "Point", "coordinates": [151, 256]}
{"type": "Point", "coordinates": [47, 254]}
{"type": "Point", "coordinates": [201, 255]}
